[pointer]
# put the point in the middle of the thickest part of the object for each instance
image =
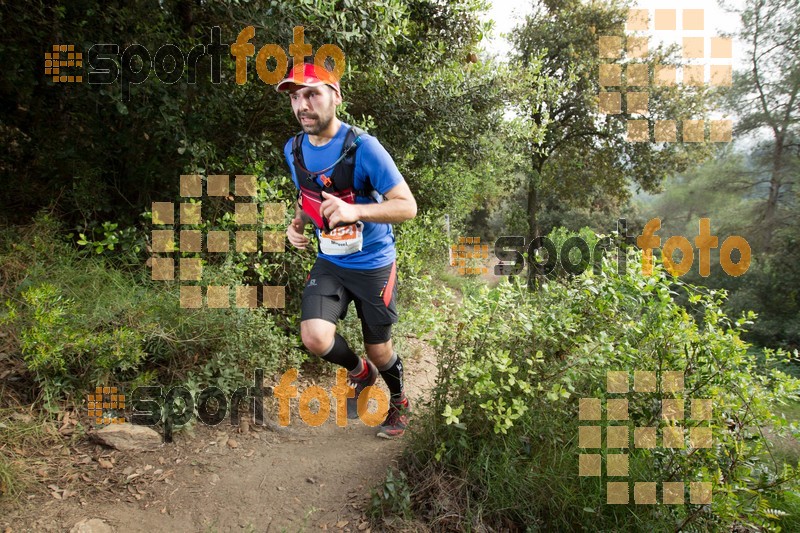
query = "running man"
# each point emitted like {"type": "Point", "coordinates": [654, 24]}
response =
{"type": "Point", "coordinates": [351, 191]}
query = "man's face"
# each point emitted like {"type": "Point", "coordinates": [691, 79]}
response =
{"type": "Point", "coordinates": [314, 107]}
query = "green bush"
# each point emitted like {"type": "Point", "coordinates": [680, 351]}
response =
{"type": "Point", "coordinates": [78, 321]}
{"type": "Point", "coordinates": [249, 339]}
{"type": "Point", "coordinates": [392, 498]}
{"type": "Point", "coordinates": [421, 243]}
{"type": "Point", "coordinates": [70, 318]}
{"type": "Point", "coordinates": [422, 253]}
{"type": "Point", "coordinates": [513, 365]}
{"type": "Point", "coordinates": [61, 350]}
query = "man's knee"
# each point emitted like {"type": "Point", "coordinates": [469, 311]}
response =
{"type": "Point", "coordinates": [379, 354]}
{"type": "Point", "coordinates": [317, 335]}
{"type": "Point", "coordinates": [383, 349]}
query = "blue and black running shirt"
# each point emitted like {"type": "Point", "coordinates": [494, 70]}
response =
{"type": "Point", "coordinates": [372, 160]}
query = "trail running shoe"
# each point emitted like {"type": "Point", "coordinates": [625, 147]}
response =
{"type": "Point", "coordinates": [396, 420]}
{"type": "Point", "coordinates": [360, 384]}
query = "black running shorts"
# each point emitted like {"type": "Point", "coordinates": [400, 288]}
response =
{"type": "Point", "coordinates": [330, 289]}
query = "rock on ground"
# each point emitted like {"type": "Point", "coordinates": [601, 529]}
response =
{"type": "Point", "coordinates": [91, 525]}
{"type": "Point", "coordinates": [127, 437]}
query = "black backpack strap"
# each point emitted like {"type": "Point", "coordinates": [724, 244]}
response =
{"type": "Point", "coordinates": [351, 143]}
{"type": "Point", "coordinates": [297, 153]}
{"type": "Point", "coordinates": [296, 142]}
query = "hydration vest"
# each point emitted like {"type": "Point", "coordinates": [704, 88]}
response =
{"type": "Point", "coordinates": [337, 179]}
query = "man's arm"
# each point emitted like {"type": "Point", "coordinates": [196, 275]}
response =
{"type": "Point", "coordinates": [299, 213]}
{"type": "Point", "coordinates": [399, 206]}
{"type": "Point", "coordinates": [296, 228]}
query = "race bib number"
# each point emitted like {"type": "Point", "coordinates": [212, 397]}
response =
{"type": "Point", "coordinates": [343, 240]}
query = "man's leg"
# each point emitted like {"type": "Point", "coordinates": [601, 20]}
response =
{"type": "Point", "coordinates": [325, 301]}
{"type": "Point", "coordinates": [389, 365]}
{"type": "Point", "coordinates": [375, 295]}
{"type": "Point", "coordinates": [318, 333]}
{"type": "Point", "coordinates": [321, 339]}
{"type": "Point", "coordinates": [378, 344]}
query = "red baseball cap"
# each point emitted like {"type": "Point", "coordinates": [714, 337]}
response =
{"type": "Point", "coordinates": [308, 75]}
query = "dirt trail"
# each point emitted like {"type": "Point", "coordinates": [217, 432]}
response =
{"type": "Point", "coordinates": [218, 479]}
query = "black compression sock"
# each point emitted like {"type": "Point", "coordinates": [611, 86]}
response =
{"type": "Point", "coordinates": [340, 353]}
{"type": "Point", "coordinates": [392, 373]}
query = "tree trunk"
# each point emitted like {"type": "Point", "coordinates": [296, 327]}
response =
{"type": "Point", "coordinates": [533, 222]}
{"type": "Point", "coordinates": [775, 183]}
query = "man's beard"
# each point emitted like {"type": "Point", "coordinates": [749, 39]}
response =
{"type": "Point", "coordinates": [316, 128]}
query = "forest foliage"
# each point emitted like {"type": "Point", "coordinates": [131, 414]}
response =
{"type": "Point", "coordinates": [516, 147]}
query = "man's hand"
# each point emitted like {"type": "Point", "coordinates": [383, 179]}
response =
{"type": "Point", "coordinates": [295, 233]}
{"type": "Point", "coordinates": [337, 211]}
